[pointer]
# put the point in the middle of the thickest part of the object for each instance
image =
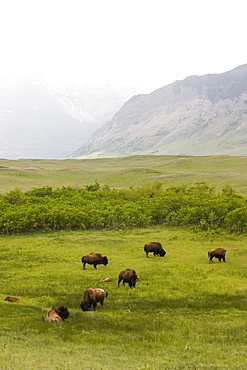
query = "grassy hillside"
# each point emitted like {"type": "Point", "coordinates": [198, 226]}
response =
{"type": "Point", "coordinates": [183, 314]}
{"type": "Point", "coordinates": [124, 172]}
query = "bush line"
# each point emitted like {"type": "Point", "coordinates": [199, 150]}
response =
{"type": "Point", "coordinates": [99, 207]}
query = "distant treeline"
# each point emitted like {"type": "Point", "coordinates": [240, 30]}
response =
{"type": "Point", "coordinates": [96, 207]}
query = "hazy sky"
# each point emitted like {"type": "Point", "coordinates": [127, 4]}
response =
{"type": "Point", "coordinates": [145, 43]}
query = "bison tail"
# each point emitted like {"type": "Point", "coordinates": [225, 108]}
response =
{"type": "Point", "coordinates": [106, 294]}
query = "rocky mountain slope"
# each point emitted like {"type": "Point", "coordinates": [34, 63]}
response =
{"type": "Point", "coordinates": [201, 115]}
{"type": "Point", "coordinates": [47, 119]}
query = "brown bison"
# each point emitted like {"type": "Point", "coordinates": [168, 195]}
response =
{"type": "Point", "coordinates": [129, 276]}
{"type": "Point", "coordinates": [156, 248]}
{"type": "Point", "coordinates": [94, 259]}
{"type": "Point", "coordinates": [217, 253]}
{"type": "Point", "coordinates": [91, 297]}
{"type": "Point", "coordinates": [12, 299]}
{"type": "Point", "coordinates": [57, 314]}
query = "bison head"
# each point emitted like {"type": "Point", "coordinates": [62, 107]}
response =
{"type": "Point", "coordinates": [133, 279]}
{"type": "Point", "coordinates": [105, 260]}
{"type": "Point", "coordinates": [162, 253]}
{"type": "Point", "coordinates": [84, 306]}
{"type": "Point", "coordinates": [63, 312]}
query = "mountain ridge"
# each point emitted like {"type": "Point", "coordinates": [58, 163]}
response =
{"type": "Point", "coordinates": [200, 115]}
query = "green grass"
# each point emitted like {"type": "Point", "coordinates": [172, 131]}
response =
{"type": "Point", "coordinates": [124, 172]}
{"type": "Point", "coordinates": [183, 314]}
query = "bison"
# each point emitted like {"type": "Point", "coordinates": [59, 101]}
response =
{"type": "Point", "coordinates": [11, 299]}
{"type": "Point", "coordinates": [154, 247]}
{"type": "Point", "coordinates": [217, 253]}
{"type": "Point", "coordinates": [94, 259]}
{"type": "Point", "coordinates": [57, 314]}
{"type": "Point", "coordinates": [129, 276]}
{"type": "Point", "coordinates": [91, 297]}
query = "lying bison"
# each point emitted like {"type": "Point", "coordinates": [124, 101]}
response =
{"type": "Point", "coordinates": [91, 297]}
{"type": "Point", "coordinates": [129, 276]}
{"type": "Point", "coordinates": [94, 259]}
{"type": "Point", "coordinates": [11, 299]}
{"type": "Point", "coordinates": [156, 248]}
{"type": "Point", "coordinates": [57, 314]}
{"type": "Point", "coordinates": [219, 253]}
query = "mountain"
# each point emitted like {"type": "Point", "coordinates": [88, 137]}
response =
{"type": "Point", "coordinates": [50, 119]}
{"type": "Point", "coordinates": [201, 115]}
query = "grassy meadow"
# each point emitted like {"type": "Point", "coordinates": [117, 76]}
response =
{"type": "Point", "coordinates": [134, 171]}
{"type": "Point", "coordinates": [184, 313]}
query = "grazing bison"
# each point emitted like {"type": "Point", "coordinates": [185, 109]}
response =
{"type": "Point", "coordinates": [12, 299]}
{"type": "Point", "coordinates": [154, 247]}
{"type": "Point", "coordinates": [217, 253]}
{"type": "Point", "coordinates": [57, 314]}
{"type": "Point", "coordinates": [91, 297]}
{"type": "Point", "coordinates": [129, 276]}
{"type": "Point", "coordinates": [94, 259]}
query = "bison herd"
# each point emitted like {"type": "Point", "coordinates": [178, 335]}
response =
{"type": "Point", "coordinates": [92, 296]}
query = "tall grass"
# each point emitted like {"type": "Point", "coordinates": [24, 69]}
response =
{"type": "Point", "coordinates": [183, 314]}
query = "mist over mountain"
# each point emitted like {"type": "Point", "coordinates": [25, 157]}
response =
{"type": "Point", "coordinates": [200, 115]}
{"type": "Point", "coordinates": [40, 118]}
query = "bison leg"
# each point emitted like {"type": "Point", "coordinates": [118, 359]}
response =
{"type": "Point", "coordinates": [119, 281]}
{"type": "Point", "coordinates": [84, 264]}
{"type": "Point", "coordinates": [224, 260]}
{"type": "Point", "coordinates": [94, 305]}
{"type": "Point", "coordinates": [95, 266]}
{"type": "Point", "coordinates": [147, 254]}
